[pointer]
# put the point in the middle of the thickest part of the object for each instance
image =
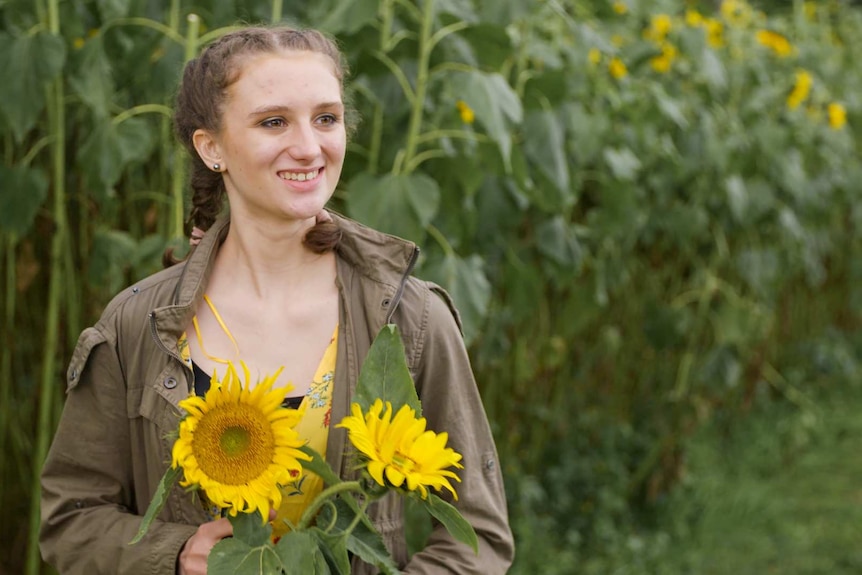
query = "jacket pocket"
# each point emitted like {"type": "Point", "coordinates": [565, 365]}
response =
{"type": "Point", "coordinates": [89, 338]}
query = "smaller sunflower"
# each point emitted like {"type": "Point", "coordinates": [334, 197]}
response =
{"type": "Point", "coordinates": [401, 449]}
{"type": "Point", "coordinates": [239, 444]}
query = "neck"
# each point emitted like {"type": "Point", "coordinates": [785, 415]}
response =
{"type": "Point", "coordinates": [261, 259]}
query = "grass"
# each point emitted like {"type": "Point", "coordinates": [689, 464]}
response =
{"type": "Point", "coordinates": [778, 492]}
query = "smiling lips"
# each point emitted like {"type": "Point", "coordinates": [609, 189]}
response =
{"type": "Point", "coordinates": [299, 176]}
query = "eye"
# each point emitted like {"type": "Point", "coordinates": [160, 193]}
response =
{"type": "Point", "coordinates": [327, 119]}
{"type": "Point", "coordinates": [273, 123]}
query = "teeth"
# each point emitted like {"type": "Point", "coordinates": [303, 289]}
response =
{"type": "Point", "coordinates": [299, 176]}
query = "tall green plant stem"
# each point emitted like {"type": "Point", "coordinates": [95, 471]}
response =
{"type": "Point", "coordinates": [6, 358]}
{"type": "Point", "coordinates": [179, 169]}
{"type": "Point", "coordinates": [56, 122]}
{"type": "Point", "coordinates": [425, 47]}
{"type": "Point", "coordinates": [323, 497]}
{"type": "Point", "coordinates": [276, 11]}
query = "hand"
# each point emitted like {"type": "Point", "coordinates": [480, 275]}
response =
{"type": "Point", "coordinates": [193, 556]}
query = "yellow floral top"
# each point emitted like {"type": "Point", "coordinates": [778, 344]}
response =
{"type": "Point", "coordinates": [314, 427]}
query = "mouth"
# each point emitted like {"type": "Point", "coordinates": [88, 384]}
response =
{"type": "Point", "coordinates": [300, 175]}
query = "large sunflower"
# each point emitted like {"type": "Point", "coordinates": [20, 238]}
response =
{"type": "Point", "coordinates": [401, 448]}
{"type": "Point", "coordinates": [238, 444]}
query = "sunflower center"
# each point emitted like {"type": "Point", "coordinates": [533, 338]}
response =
{"type": "Point", "coordinates": [234, 444]}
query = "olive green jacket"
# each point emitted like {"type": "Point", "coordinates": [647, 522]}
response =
{"type": "Point", "coordinates": [126, 378]}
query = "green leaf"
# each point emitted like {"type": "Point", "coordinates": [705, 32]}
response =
{"type": "Point", "coordinates": [455, 524]}
{"type": "Point", "coordinates": [110, 257]}
{"type": "Point", "coordinates": [623, 163]}
{"type": "Point", "coordinates": [232, 556]}
{"type": "Point", "coordinates": [110, 147]}
{"type": "Point", "coordinates": [385, 375]}
{"type": "Point", "coordinates": [334, 550]}
{"type": "Point", "coordinates": [91, 79]}
{"type": "Point", "coordinates": [24, 191]}
{"type": "Point", "coordinates": [465, 280]}
{"type": "Point", "coordinates": [300, 554]}
{"type": "Point", "coordinates": [495, 104]}
{"type": "Point", "coordinates": [319, 466]}
{"type": "Point", "coordinates": [250, 528]}
{"type": "Point", "coordinates": [401, 205]}
{"type": "Point", "coordinates": [111, 9]}
{"type": "Point", "coordinates": [27, 63]}
{"type": "Point", "coordinates": [491, 44]}
{"type": "Point", "coordinates": [545, 146]}
{"type": "Point", "coordinates": [160, 497]}
{"type": "Point", "coordinates": [364, 541]}
{"type": "Point", "coordinates": [556, 241]}
{"type": "Point", "coordinates": [349, 16]}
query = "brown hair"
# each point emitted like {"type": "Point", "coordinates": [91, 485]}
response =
{"type": "Point", "coordinates": [201, 96]}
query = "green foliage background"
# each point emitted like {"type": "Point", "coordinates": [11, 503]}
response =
{"type": "Point", "coordinates": [633, 256]}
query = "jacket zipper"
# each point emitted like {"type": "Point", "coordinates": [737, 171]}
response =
{"type": "Point", "coordinates": [396, 299]}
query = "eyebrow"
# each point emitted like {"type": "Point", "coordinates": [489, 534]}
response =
{"type": "Point", "coordinates": [264, 110]}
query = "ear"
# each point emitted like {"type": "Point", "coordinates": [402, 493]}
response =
{"type": "Point", "coordinates": [207, 148]}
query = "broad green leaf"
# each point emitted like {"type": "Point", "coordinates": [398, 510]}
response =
{"type": "Point", "coordinates": [401, 205]}
{"type": "Point", "coordinates": [491, 44]}
{"type": "Point", "coordinates": [364, 541]}
{"type": "Point", "coordinates": [232, 556]}
{"type": "Point", "coordinates": [671, 108]}
{"type": "Point", "coordinates": [455, 524]}
{"type": "Point", "coordinates": [91, 78]}
{"type": "Point", "coordinates": [110, 147]}
{"type": "Point", "coordinates": [319, 466]}
{"type": "Point", "coordinates": [385, 375]}
{"type": "Point", "coordinates": [250, 528]}
{"type": "Point", "coordinates": [299, 553]}
{"type": "Point", "coordinates": [465, 280]}
{"type": "Point", "coordinates": [737, 196]}
{"type": "Point", "coordinates": [334, 550]}
{"type": "Point", "coordinates": [110, 257]}
{"type": "Point", "coordinates": [157, 503]}
{"type": "Point", "coordinates": [111, 9]}
{"type": "Point", "coordinates": [713, 70]}
{"type": "Point", "coordinates": [495, 103]}
{"type": "Point", "coordinates": [27, 63]}
{"type": "Point", "coordinates": [556, 241]}
{"type": "Point", "coordinates": [24, 191]}
{"type": "Point", "coordinates": [349, 16]}
{"type": "Point", "coordinates": [545, 146]}
{"type": "Point", "coordinates": [624, 164]}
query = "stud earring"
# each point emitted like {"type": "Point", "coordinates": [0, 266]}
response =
{"type": "Point", "coordinates": [216, 167]}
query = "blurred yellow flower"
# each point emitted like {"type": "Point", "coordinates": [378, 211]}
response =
{"type": "Point", "coordinates": [617, 69]}
{"type": "Point", "coordinates": [78, 43]}
{"type": "Point", "coordinates": [467, 114]}
{"type": "Point", "coordinates": [736, 12]}
{"type": "Point", "coordinates": [693, 18]}
{"type": "Point", "coordinates": [620, 7]}
{"type": "Point", "coordinates": [801, 89]}
{"type": "Point", "coordinates": [618, 40]}
{"type": "Point", "coordinates": [663, 62]}
{"type": "Point", "coordinates": [594, 56]}
{"type": "Point", "coordinates": [810, 9]}
{"type": "Point", "coordinates": [714, 32]}
{"type": "Point", "coordinates": [775, 42]}
{"type": "Point", "coordinates": [837, 115]}
{"type": "Point", "coordinates": [659, 28]}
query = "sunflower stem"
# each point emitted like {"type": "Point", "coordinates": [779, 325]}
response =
{"type": "Point", "coordinates": [323, 497]}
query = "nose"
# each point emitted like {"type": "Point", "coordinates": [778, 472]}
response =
{"type": "Point", "coordinates": [304, 143]}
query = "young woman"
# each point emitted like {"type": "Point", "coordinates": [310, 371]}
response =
{"type": "Point", "coordinates": [275, 281]}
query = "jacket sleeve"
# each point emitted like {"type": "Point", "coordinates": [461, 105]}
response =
{"type": "Point", "coordinates": [451, 403]}
{"type": "Point", "coordinates": [88, 515]}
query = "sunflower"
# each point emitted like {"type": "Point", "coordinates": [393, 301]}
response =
{"type": "Point", "coordinates": [401, 448]}
{"type": "Point", "coordinates": [238, 444]}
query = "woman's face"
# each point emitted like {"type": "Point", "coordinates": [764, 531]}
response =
{"type": "Point", "coordinates": [283, 138]}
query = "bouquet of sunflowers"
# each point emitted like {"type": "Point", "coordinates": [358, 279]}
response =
{"type": "Point", "coordinates": [239, 447]}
